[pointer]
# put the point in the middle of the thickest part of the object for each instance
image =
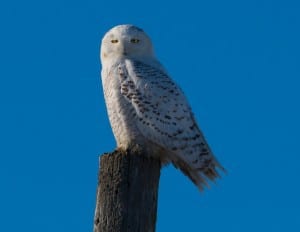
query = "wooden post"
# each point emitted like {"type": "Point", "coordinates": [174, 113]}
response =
{"type": "Point", "coordinates": [127, 192]}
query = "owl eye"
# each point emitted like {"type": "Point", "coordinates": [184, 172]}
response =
{"type": "Point", "coordinates": [134, 40]}
{"type": "Point", "coordinates": [114, 41]}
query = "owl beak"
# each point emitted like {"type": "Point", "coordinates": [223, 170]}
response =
{"type": "Point", "coordinates": [123, 50]}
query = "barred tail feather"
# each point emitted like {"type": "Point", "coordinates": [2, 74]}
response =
{"type": "Point", "coordinates": [200, 176]}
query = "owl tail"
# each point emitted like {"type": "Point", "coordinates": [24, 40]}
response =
{"type": "Point", "coordinates": [199, 176]}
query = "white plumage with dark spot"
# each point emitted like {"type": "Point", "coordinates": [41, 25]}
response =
{"type": "Point", "coordinates": [147, 109]}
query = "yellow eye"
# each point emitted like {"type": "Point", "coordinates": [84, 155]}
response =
{"type": "Point", "coordinates": [134, 40]}
{"type": "Point", "coordinates": [114, 41]}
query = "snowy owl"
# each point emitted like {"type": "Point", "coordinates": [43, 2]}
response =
{"type": "Point", "coordinates": [146, 108]}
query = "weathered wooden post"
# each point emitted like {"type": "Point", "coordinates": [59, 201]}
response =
{"type": "Point", "coordinates": [127, 192]}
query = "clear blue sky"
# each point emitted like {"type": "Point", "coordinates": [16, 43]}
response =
{"type": "Point", "coordinates": [238, 63]}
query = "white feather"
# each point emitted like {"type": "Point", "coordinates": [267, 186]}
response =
{"type": "Point", "coordinates": [146, 107]}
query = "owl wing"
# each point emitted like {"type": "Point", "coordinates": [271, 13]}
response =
{"type": "Point", "coordinates": [165, 118]}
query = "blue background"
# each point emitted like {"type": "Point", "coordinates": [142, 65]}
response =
{"type": "Point", "coordinates": [237, 62]}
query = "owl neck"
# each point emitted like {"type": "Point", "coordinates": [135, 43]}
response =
{"type": "Point", "coordinates": [108, 63]}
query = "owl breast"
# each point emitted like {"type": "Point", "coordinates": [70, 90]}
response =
{"type": "Point", "coordinates": [120, 111]}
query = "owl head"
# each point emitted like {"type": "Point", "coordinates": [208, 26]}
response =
{"type": "Point", "coordinates": [126, 41]}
